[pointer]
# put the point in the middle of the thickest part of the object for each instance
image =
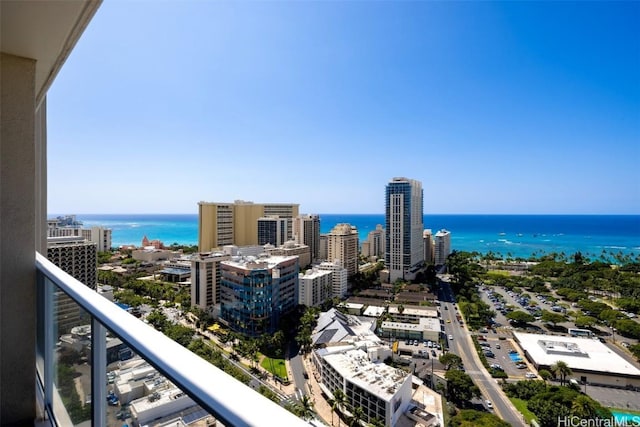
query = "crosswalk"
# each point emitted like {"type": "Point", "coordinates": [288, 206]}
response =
{"type": "Point", "coordinates": [293, 399]}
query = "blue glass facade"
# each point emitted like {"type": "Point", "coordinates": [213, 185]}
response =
{"type": "Point", "coordinates": [255, 294]}
{"type": "Point", "coordinates": [403, 226]}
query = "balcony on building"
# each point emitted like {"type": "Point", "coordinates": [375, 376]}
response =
{"type": "Point", "coordinates": [58, 336]}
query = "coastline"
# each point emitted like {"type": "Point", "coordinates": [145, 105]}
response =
{"type": "Point", "coordinates": [509, 235]}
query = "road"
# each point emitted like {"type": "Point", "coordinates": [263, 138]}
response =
{"type": "Point", "coordinates": [297, 370]}
{"type": "Point", "coordinates": [462, 345]}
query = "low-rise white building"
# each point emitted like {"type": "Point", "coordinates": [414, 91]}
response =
{"type": "Point", "coordinates": [427, 329]}
{"type": "Point", "coordinates": [590, 360]}
{"type": "Point", "coordinates": [383, 392]}
{"type": "Point", "coordinates": [411, 313]}
{"type": "Point", "coordinates": [160, 404]}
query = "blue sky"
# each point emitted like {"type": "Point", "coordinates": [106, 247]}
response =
{"type": "Point", "coordinates": [497, 107]}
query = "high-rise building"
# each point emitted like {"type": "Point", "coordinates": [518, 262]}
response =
{"type": "Point", "coordinates": [100, 236]}
{"type": "Point", "coordinates": [404, 247]}
{"type": "Point", "coordinates": [315, 287]}
{"type": "Point", "coordinates": [339, 279]}
{"type": "Point", "coordinates": [221, 224]}
{"type": "Point", "coordinates": [442, 246]}
{"type": "Point", "coordinates": [306, 231]}
{"type": "Point", "coordinates": [272, 230]}
{"type": "Point", "coordinates": [78, 258]}
{"type": "Point", "coordinates": [427, 236]}
{"type": "Point", "coordinates": [205, 279]}
{"type": "Point", "coordinates": [323, 248]}
{"type": "Point", "coordinates": [69, 226]}
{"type": "Point", "coordinates": [373, 247]}
{"type": "Point", "coordinates": [342, 245]}
{"type": "Point", "coordinates": [256, 292]}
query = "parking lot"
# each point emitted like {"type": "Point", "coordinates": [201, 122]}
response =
{"type": "Point", "coordinates": [614, 398]}
{"type": "Point", "coordinates": [501, 349]}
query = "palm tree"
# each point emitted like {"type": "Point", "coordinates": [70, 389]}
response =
{"type": "Point", "coordinates": [333, 404]}
{"type": "Point", "coordinates": [357, 415]}
{"type": "Point", "coordinates": [583, 407]}
{"type": "Point", "coordinates": [339, 399]}
{"type": "Point", "coordinates": [561, 369]}
{"type": "Point", "coordinates": [306, 407]}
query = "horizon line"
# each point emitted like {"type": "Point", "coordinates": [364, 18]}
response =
{"type": "Point", "coordinates": [363, 213]}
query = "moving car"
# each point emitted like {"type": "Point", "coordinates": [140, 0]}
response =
{"type": "Point", "coordinates": [489, 404]}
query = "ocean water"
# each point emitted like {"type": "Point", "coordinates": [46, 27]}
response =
{"type": "Point", "coordinates": [508, 235]}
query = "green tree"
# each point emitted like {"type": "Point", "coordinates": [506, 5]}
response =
{"type": "Point", "coordinates": [544, 374]}
{"type": "Point", "coordinates": [158, 320]}
{"type": "Point", "coordinates": [460, 387]}
{"type": "Point", "coordinates": [306, 408]}
{"type": "Point", "coordinates": [562, 370]}
{"type": "Point", "coordinates": [357, 415]}
{"type": "Point", "coordinates": [450, 360]}
{"type": "Point", "coordinates": [551, 317]}
{"type": "Point", "coordinates": [585, 321]}
{"type": "Point", "coordinates": [473, 418]}
{"type": "Point", "coordinates": [583, 407]}
{"type": "Point", "coordinates": [520, 317]}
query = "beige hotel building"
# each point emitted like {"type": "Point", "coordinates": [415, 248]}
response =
{"type": "Point", "coordinates": [236, 223]}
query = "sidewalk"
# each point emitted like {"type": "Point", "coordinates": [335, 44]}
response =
{"type": "Point", "coordinates": [320, 405]}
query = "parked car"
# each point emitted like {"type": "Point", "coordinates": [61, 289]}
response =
{"type": "Point", "coordinates": [489, 404]}
{"type": "Point", "coordinates": [530, 375]}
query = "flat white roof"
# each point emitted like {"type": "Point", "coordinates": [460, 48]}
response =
{"type": "Point", "coordinates": [373, 311]}
{"type": "Point", "coordinates": [414, 311]}
{"type": "Point", "coordinates": [377, 378]}
{"type": "Point", "coordinates": [426, 324]}
{"type": "Point", "coordinates": [578, 353]}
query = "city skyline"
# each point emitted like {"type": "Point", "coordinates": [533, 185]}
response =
{"type": "Point", "coordinates": [496, 107]}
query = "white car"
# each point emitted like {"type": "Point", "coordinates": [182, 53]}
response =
{"type": "Point", "coordinates": [530, 375]}
{"type": "Point", "coordinates": [450, 337]}
{"type": "Point", "coordinates": [489, 404]}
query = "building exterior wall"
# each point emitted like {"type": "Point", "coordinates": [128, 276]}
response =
{"type": "Point", "coordinates": [272, 230]}
{"type": "Point", "coordinates": [293, 249]}
{"type": "Point", "coordinates": [18, 171]}
{"type": "Point", "coordinates": [306, 231]}
{"type": "Point", "coordinates": [256, 293]}
{"type": "Point", "coordinates": [315, 287]}
{"type": "Point", "coordinates": [205, 279]}
{"type": "Point", "coordinates": [387, 407]}
{"type": "Point", "coordinates": [428, 246]}
{"type": "Point", "coordinates": [100, 236]}
{"type": "Point", "coordinates": [323, 248]}
{"type": "Point", "coordinates": [442, 246]}
{"type": "Point", "coordinates": [374, 247]}
{"type": "Point", "coordinates": [221, 224]}
{"type": "Point", "coordinates": [342, 245]}
{"type": "Point", "coordinates": [339, 285]}
{"type": "Point", "coordinates": [404, 251]}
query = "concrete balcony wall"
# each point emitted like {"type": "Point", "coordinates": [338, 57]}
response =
{"type": "Point", "coordinates": [17, 240]}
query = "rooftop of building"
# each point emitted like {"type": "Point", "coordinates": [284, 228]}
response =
{"type": "Point", "coordinates": [426, 324]}
{"type": "Point", "coordinates": [262, 262]}
{"type": "Point", "coordinates": [314, 273]}
{"type": "Point", "coordinates": [414, 311]}
{"type": "Point", "coordinates": [377, 378]}
{"type": "Point", "coordinates": [578, 353]}
{"type": "Point", "coordinates": [334, 326]}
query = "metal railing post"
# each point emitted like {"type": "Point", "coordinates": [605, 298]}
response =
{"type": "Point", "coordinates": [98, 372]}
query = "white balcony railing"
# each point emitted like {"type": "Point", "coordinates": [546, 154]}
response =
{"type": "Point", "coordinates": [227, 399]}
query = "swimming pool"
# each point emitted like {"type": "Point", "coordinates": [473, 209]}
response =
{"type": "Point", "coordinates": [515, 357]}
{"type": "Point", "coordinates": [622, 417]}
